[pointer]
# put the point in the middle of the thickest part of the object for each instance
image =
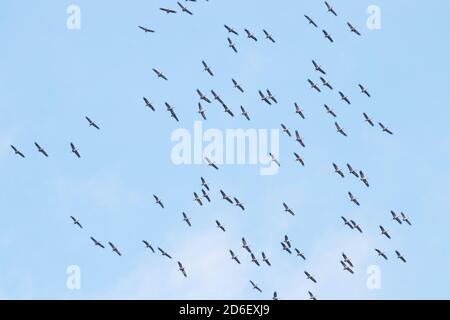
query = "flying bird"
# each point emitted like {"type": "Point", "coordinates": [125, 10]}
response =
{"type": "Point", "coordinates": [347, 223]}
{"type": "Point", "coordinates": [167, 10]}
{"type": "Point", "coordinates": [245, 113]}
{"type": "Point", "coordinates": [187, 219]}
{"type": "Point", "coordinates": [353, 29]}
{"type": "Point", "coordinates": [317, 67]}
{"type": "Point", "coordinates": [41, 150]}
{"type": "Point", "coordinates": [300, 254]}
{"type": "Point", "coordinates": [299, 111]}
{"type": "Point", "coordinates": [340, 129]}
{"type": "Point", "coordinates": [158, 201]}
{"type": "Point", "coordinates": [338, 170]}
{"type": "Point", "coordinates": [353, 199]}
{"type": "Point", "coordinates": [182, 270]}
{"type": "Point", "coordinates": [234, 257]}
{"type": "Point", "coordinates": [74, 150]}
{"type": "Point", "coordinates": [146, 30]}
{"type": "Point", "coordinates": [184, 9]}
{"type": "Point", "coordinates": [363, 178]}
{"type": "Point", "coordinates": [356, 226]}
{"type": "Point", "coordinates": [237, 85]}
{"type": "Point", "coordinates": [385, 129]}
{"type": "Point", "coordinates": [114, 249]}
{"type": "Point", "coordinates": [163, 253]}
{"type": "Point", "coordinates": [328, 36]}
{"type": "Point", "coordinates": [221, 227]}
{"type": "Point", "coordinates": [231, 30]}
{"type": "Point", "coordinates": [227, 110]}
{"type": "Point", "coordinates": [405, 218]}
{"type": "Point", "coordinates": [399, 256]}
{"type": "Point", "coordinates": [207, 69]}
{"type": "Point", "coordinates": [286, 130]}
{"type": "Point", "coordinates": [250, 35]}
{"type": "Point", "coordinates": [225, 197]}
{"type": "Point", "coordinates": [311, 296]}
{"type": "Point", "coordinates": [239, 204]}
{"type": "Point", "coordinates": [148, 104]}
{"type": "Point", "coordinates": [232, 45]}
{"type": "Point", "coordinates": [326, 83]}
{"type": "Point", "coordinates": [148, 245]}
{"type": "Point", "coordinates": [367, 119]}
{"type": "Point", "coordinates": [254, 260]}
{"type": "Point", "coordinates": [97, 243]}
{"type": "Point", "coordinates": [299, 159]}
{"type": "Point", "coordinates": [217, 97]}
{"type": "Point", "coordinates": [92, 123]}
{"type": "Point", "coordinates": [159, 74]}
{"type": "Point", "coordinates": [202, 96]}
{"type": "Point", "coordinates": [381, 253]}
{"type": "Point", "coordinates": [275, 296]}
{"type": "Point", "coordinates": [364, 90]}
{"type": "Point", "coordinates": [16, 151]}
{"type": "Point", "coordinates": [268, 36]}
{"type": "Point", "coordinates": [206, 195]}
{"type": "Point", "coordinates": [211, 164]}
{"type": "Point", "coordinates": [197, 199]}
{"type": "Point", "coordinates": [311, 21]}
{"type": "Point", "coordinates": [287, 241]}
{"type": "Point", "coordinates": [265, 259]}
{"type": "Point", "coordinates": [271, 96]}
{"type": "Point", "coordinates": [76, 222]}
{"type": "Point", "coordinates": [313, 85]}
{"type": "Point", "coordinates": [310, 277]}
{"type": "Point", "coordinates": [255, 287]}
{"type": "Point", "coordinates": [287, 209]}
{"type": "Point", "coordinates": [299, 139]}
{"type": "Point", "coordinates": [204, 183]}
{"type": "Point", "coordinates": [330, 111]}
{"type": "Point", "coordinates": [286, 248]}
{"type": "Point", "coordinates": [347, 260]}
{"type": "Point", "coordinates": [346, 267]}
{"type": "Point", "coordinates": [274, 159]}
{"type": "Point", "coordinates": [395, 217]}
{"type": "Point", "coordinates": [264, 98]}
{"type": "Point", "coordinates": [352, 171]}
{"type": "Point", "coordinates": [344, 97]}
{"type": "Point", "coordinates": [385, 232]}
{"type": "Point", "coordinates": [201, 111]}
{"type": "Point", "coordinates": [330, 8]}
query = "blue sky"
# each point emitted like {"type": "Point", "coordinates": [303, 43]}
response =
{"type": "Point", "coordinates": [51, 77]}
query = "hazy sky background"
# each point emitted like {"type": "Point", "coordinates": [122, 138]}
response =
{"type": "Point", "coordinates": [51, 77]}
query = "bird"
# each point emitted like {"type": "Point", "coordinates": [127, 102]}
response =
{"type": "Point", "coordinates": [275, 296]}
{"type": "Point", "coordinates": [231, 30]}
{"type": "Point", "coordinates": [368, 119]}
{"type": "Point", "coordinates": [245, 113]}
{"type": "Point", "coordinates": [363, 178]}
{"type": "Point", "coordinates": [313, 85]}
{"type": "Point", "coordinates": [146, 30]}
{"type": "Point", "coordinates": [286, 130]}
{"type": "Point", "coordinates": [299, 139]}
{"type": "Point", "coordinates": [385, 232]}
{"type": "Point", "coordinates": [237, 85]}
{"type": "Point", "coordinates": [202, 96]}
{"type": "Point", "coordinates": [346, 267]}
{"type": "Point", "coordinates": [311, 21]}
{"type": "Point", "coordinates": [385, 129]}
{"type": "Point", "coordinates": [184, 9]}
{"type": "Point", "coordinates": [204, 183]}
{"type": "Point", "coordinates": [239, 204]}
{"type": "Point", "coordinates": [330, 111]}
{"type": "Point", "coordinates": [299, 159]}
{"type": "Point", "coordinates": [114, 249]}
{"type": "Point", "coordinates": [317, 67]}
{"type": "Point", "coordinates": [250, 35]}
{"type": "Point", "coordinates": [225, 197]}
{"type": "Point", "coordinates": [92, 123]}
{"type": "Point", "coordinates": [201, 111]}
{"type": "Point", "coordinates": [287, 209]}
{"type": "Point", "coordinates": [148, 104]}
{"type": "Point", "coordinates": [148, 245]}
{"type": "Point", "coordinates": [299, 111]}
{"type": "Point", "coordinates": [158, 201]}
{"type": "Point", "coordinates": [328, 36]}
{"type": "Point", "coordinates": [311, 296]}
{"type": "Point", "coordinates": [347, 223]}
{"type": "Point", "coordinates": [234, 257]}
{"type": "Point", "coordinates": [396, 217]}
{"type": "Point", "coordinates": [356, 226]}
{"type": "Point", "coordinates": [41, 150]}
{"type": "Point", "coordinates": [405, 218]}
{"type": "Point", "coordinates": [207, 69]}
{"type": "Point", "coordinates": [254, 260]}
{"type": "Point", "coordinates": [221, 227]}
{"type": "Point", "coordinates": [74, 150]}
{"type": "Point", "coordinates": [399, 256]}
{"type": "Point", "coordinates": [159, 74]}
{"type": "Point", "coordinates": [217, 97]}
{"type": "Point", "coordinates": [330, 8]}
{"type": "Point", "coordinates": [300, 254]}
{"type": "Point", "coordinates": [338, 170]}
{"type": "Point", "coordinates": [271, 96]}
{"type": "Point", "coordinates": [187, 219]}
{"type": "Point", "coordinates": [344, 97]}
{"type": "Point", "coordinates": [340, 129]}
{"type": "Point", "coordinates": [167, 10]}
{"type": "Point", "coordinates": [181, 268]}
{"type": "Point", "coordinates": [163, 253]}
{"type": "Point", "coordinates": [274, 159]}
{"type": "Point", "coordinates": [197, 199]}
{"type": "Point", "coordinates": [286, 248]}
{"type": "Point", "coordinates": [287, 241]}
{"type": "Point", "coordinates": [352, 171]}
{"type": "Point", "coordinates": [326, 83]}
{"type": "Point", "coordinates": [353, 29]}
{"type": "Point", "coordinates": [232, 45]}
{"type": "Point", "coordinates": [76, 222]}
{"type": "Point", "coordinates": [211, 164]}
{"type": "Point", "coordinates": [310, 277]}
{"type": "Point", "coordinates": [206, 195]}
{"type": "Point", "coordinates": [227, 110]}
{"type": "Point", "coordinates": [245, 245]}
{"type": "Point", "coordinates": [16, 151]}
{"type": "Point", "coordinates": [255, 287]}
{"type": "Point", "coordinates": [347, 260]}
{"type": "Point", "coordinates": [264, 98]}
{"type": "Point", "coordinates": [381, 253]}
{"type": "Point", "coordinates": [364, 90]}
{"type": "Point", "coordinates": [265, 259]}
{"type": "Point", "coordinates": [97, 243]}
{"type": "Point", "coordinates": [268, 36]}
{"type": "Point", "coordinates": [353, 199]}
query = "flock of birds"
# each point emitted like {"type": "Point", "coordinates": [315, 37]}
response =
{"type": "Point", "coordinates": [267, 97]}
